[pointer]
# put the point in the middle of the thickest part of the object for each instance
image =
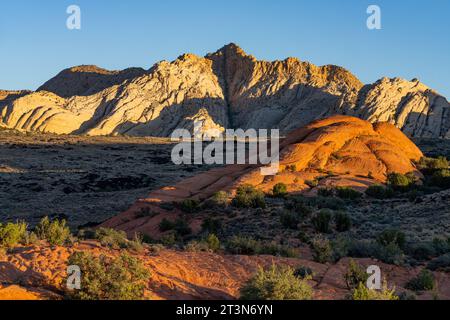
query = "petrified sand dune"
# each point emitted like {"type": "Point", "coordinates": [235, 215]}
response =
{"type": "Point", "coordinates": [337, 151]}
{"type": "Point", "coordinates": [225, 89]}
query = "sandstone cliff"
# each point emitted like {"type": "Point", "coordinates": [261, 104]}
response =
{"type": "Point", "coordinates": [225, 89]}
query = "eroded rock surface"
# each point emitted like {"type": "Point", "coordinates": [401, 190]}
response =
{"type": "Point", "coordinates": [225, 89]}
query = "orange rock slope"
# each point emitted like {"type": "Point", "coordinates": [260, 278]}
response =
{"type": "Point", "coordinates": [337, 151]}
{"type": "Point", "coordinates": [38, 272]}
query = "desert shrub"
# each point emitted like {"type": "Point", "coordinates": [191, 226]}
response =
{"type": "Point", "coordinates": [348, 193]}
{"type": "Point", "coordinates": [317, 202]}
{"type": "Point", "coordinates": [379, 192]}
{"type": "Point", "coordinates": [30, 238]}
{"type": "Point", "coordinates": [342, 221]}
{"type": "Point", "coordinates": [12, 234]}
{"type": "Point", "coordinates": [303, 272]}
{"type": "Point", "coordinates": [166, 225]}
{"type": "Point", "coordinates": [137, 244]}
{"type": "Point", "coordinates": [340, 247]}
{"type": "Point", "coordinates": [115, 239]}
{"type": "Point", "coordinates": [390, 253]}
{"type": "Point", "coordinates": [361, 292]}
{"type": "Point", "coordinates": [290, 220]}
{"type": "Point", "coordinates": [169, 240]}
{"type": "Point", "coordinates": [423, 282]}
{"type": "Point", "coordinates": [361, 249]}
{"type": "Point", "coordinates": [427, 164]}
{"type": "Point", "coordinates": [399, 181]}
{"type": "Point", "coordinates": [325, 192]}
{"type": "Point", "coordinates": [107, 278]}
{"type": "Point", "coordinates": [407, 295]}
{"type": "Point", "coordinates": [190, 205]}
{"type": "Point", "coordinates": [441, 263]}
{"type": "Point", "coordinates": [392, 236]}
{"type": "Point", "coordinates": [279, 190]}
{"type": "Point", "coordinates": [274, 249]}
{"type": "Point", "coordinates": [211, 225]}
{"type": "Point", "coordinates": [321, 221]}
{"type": "Point", "coordinates": [355, 275]}
{"type": "Point", "coordinates": [247, 196]}
{"type": "Point", "coordinates": [243, 245]}
{"type": "Point", "coordinates": [441, 246]}
{"type": "Point", "coordinates": [55, 232]}
{"type": "Point", "coordinates": [197, 246]}
{"type": "Point", "coordinates": [219, 199]}
{"type": "Point", "coordinates": [322, 250]}
{"type": "Point", "coordinates": [213, 242]}
{"type": "Point", "coordinates": [277, 283]}
{"type": "Point", "coordinates": [441, 178]}
{"type": "Point", "coordinates": [250, 246]}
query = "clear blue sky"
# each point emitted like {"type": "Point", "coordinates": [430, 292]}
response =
{"type": "Point", "coordinates": [414, 42]}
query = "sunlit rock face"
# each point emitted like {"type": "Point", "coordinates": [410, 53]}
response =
{"type": "Point", "coordinates": [225, 89]}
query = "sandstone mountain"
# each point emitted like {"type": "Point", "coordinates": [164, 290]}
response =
{"type": "Point", "coordinates": [225, 89]}
{"type": "Point", "coordinates": [337, 151]}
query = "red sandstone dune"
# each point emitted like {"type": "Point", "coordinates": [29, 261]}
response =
{"type": "Point", "coordinates": [37, 272]}
{"type": "Point", "coordinates": [357, 153]}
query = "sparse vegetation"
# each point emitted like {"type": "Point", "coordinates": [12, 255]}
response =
{"type": "Point", "coordinates": [247, 196]}
{"type": "Point", "coordinates": [322, 250]}
{"type": "Point", "coordinates": [115, 239]}
{"type": "Point", "coordinates": [392, 236]}
{"type": "Point", "coordinates": [363, 293]}
{"type": "Point", "coordinates": [55, 232]}
{"type": "Point", "coordinates": [423, 282]}
{"type": "Point", "coordinates": [400, 182]}
{"type": "Point", "coordinates": [279, 190]}
{"type": "Point", "coordinates": [190, 205]}
{"type": "Point", "coordinates": [379, 192]}
{"type": "Point", "coordinates": [277, 283]}
{"type": "Point", "coordinates": [348, 193]}
{"type": "Point", "coordinates": [355, 275]}
{"type": "Point", "coordinates": [290, 220]}
{"type": "Point", "coordinates": [11, 234]}
{"type": "Point", "coordinates": [109, 278]}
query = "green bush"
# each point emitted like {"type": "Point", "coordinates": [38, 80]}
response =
{"type": "Point", "coordinates": [355, 275]}
{"type": "Point", "coordinates": [423, 282]}
{"type": "Point", "coordinates": [400, 182]}
{"type": "Point", "coordinates": [279, 190]}
{"type": "Point", "coordinates": [197, 246]}
{"type": "Point", "coordinates": [277, 283]}
{"type": "Point", "coordinates": [321, 221]}
{"type": "Point", "coordinates": [348, 193]}
{"type": "Point", "coordinates": [249, 246]}
{"type": "Point", "coordinates": [55, 232]}
{"type": "Point", "coordinates": [219, 199]}
{"type": "Point", "coordinates": [363, 293]}
{"type": "Point", "coordinates": [213, 242]}
{"type": "Point", "coordinates": [321, 249]}
{"type": "Point", "coordinates": [243, 245]}
{"type": "Point", "coordinates": [299, 205]}
{"type": "Point", "coordinates": [379, 192]}
{"type": "Point", "coordinates": [440, 162]}
{"type": "Point", "coordinates": [182, 227]}
{"type": "Point", "coordinates": [392, 236]}
{"type": "Point", "coordinates": [312, 183]}
{"type": "Point", "coordinates": [11, 234]}
{"type": "Point", "coordinates": [106, 278]}
{"type": "Point", "coordinates": [190, 205]}
{"type": "Point", "coordinates": [342, 221]}
{"type": "Point", "coordinates": [115, 239]}
{"type": "Point", "coordinates": [248, 196]}
{"type": "Point", "coordinates": [290, 220]}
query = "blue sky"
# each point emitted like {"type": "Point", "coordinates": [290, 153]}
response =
{"type": "Point", "coordinates": [414, 41]}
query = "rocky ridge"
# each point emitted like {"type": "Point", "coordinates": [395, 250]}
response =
{"type": "Point", "coordinates": [225, 89]}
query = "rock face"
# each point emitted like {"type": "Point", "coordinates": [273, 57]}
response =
{"type": "Point", "coordinates": [337, 151]}
{"type": "Point", "coordinates": [225, 89]}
